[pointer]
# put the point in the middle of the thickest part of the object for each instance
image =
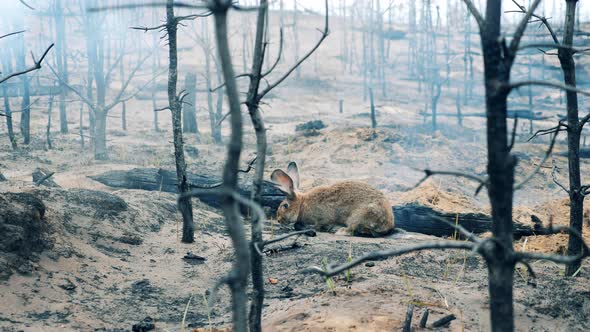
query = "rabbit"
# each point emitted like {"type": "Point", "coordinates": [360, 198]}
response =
{"type": "Point", "coordinates": [360, 208]}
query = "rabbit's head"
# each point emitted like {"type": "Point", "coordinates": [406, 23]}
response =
{"type": "Point", "coordinates": [288, 182]}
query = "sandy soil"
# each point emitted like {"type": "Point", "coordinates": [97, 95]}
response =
{"type": "Point", "coordinates": [113, 264]}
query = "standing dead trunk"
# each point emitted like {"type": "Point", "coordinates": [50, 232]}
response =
{"type": "Point", "coordinates": [412, 39]}
{"type": "Point", "coordinates": [252, 102]}
{"type": "Point", "coordinates": [81, 126]}
{"type": "Point", "coordinates": [48, 131]}
{"type": "Point", "coordinates": [124, 116]}
{"type": "Point", "coordinates": [154, 85]}
{"type": "Point", "coordinates": [238, 279]}
{"type": "Point", "coordinates": [175, 104]}
{"type": "Point", "coordinates": [373, 116]}
{"type": "Point", "coordinates": [62, 62]}
{"type": "Point", "coordinates": [189, 109]}
{"type": "Point", "coordinates": [25, 114]}
{"type": "Point", "coordinates": [8, 112]}
{"type": "Point", "coordinates": [100, 135]}
{"type": "Point", "coordinates": [213, 114]}
{"type": "Point", "coordinates": [574, 130]}
{"type": "Point", "coordinates": [296, 38]}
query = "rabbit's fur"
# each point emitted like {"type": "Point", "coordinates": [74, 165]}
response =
{"type": "Point", "coordinates": [362, 209]}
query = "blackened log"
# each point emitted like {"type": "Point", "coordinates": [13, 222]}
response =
{"type": "Point", "coordinates": [418, 218]}
{"type": "Point", "coordinates": [154, 179]}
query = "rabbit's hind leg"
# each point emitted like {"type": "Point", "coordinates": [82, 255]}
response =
{"type": "Point", "coordinates": [366, 221]}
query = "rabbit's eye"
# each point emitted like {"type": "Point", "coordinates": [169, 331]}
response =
{"type": "Point", "coordinates": [285, 206]}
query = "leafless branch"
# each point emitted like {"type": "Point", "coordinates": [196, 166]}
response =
{"type": "Point", "coordinates": [78, 93]}
{"type": "Point", "coordinates": [513, 136]}
{"type": "Point", "coordinates": [583, 121]}
{"type": "Point", "coordinates": [223, 84]}
{"type": "Point", "coordinates": [540, 18]}
{"type": "Point", "coordinates": [11, 34]}
{"type": "Point", "coordinates": [522, 27]}
{"type": "Point", "coordinates": [325, 34]}
{"type": "Point", "coordinates": [146, 29]}
{"type": "Point", "coordinates": [218, 184]}
{"type": "Point", "coordinates": [554, 177]}
{"type": "Point", "coordinates": [307, 232]}
{"type": "Point", "coordinates": [278, 59]}
{"type": "Point", "coordinates": [428, 173]}
{"type": "Point", "coordinates": [26, 5]}
{"type": "Point", "coordinates": [36, 66]}
{"type": "Point", "coordinates": [118, 99]}
{"type": "Point", "coordinates": [552, 46]}
{"type": "Point", "coordinates": [476, 14]}
{"type": "Point", "coordinates": [162, 109]}
{"type": "Point", "coordinates": [382, 254]}
{"type": "Point", "coordinates": [553, 130]}
{"type": "Point", "coordinates": [549, 84]}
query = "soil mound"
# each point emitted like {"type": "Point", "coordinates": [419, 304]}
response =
{"type": "Point", "coordinates": [24, 232]}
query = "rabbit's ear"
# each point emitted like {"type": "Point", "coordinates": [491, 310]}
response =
{"type": "Point", "coordinates": [283, 182]}
{"type": "Point", "coordinates": [293, 172]}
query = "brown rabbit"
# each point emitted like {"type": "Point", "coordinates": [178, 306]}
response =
{"type": "Point", "coordinates": [362, 209]}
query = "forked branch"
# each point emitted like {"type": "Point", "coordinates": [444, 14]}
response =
{"type": "Point", "coordinates": [522, 27]}
{"type": "Point", "coordinates": [36, 66]}
{"type": "Point", "coordinates": [383, 254]}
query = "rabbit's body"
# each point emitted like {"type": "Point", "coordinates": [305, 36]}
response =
{"type": "Point", "coordinates": [362, 209]}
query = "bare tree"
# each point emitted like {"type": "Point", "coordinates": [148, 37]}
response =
{"type": "Point", "coordinates": [26, 101]}
{"type": "Point", "coordinates": [574, 126]}
{"type": "Point", "coordinates": [100, 74]}
{"type": "Point", "coordinates": [175, 105]}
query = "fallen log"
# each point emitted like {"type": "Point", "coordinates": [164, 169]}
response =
{"type": "Point", "coordinates": [418, 218]}
{"type": "Point", "coordinates": [154, 179]}
{"type": "Point", "coordinates": [411, 217]}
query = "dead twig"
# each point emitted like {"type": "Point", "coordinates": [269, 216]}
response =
{"type": "Point", "coordinates": [36, 66]}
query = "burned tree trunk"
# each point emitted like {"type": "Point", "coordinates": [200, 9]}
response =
{"type": "Point", "coordinates": [175, 104]}
{"type": "Point", "coordinates": [238, 278]}
{"type": "Point", "coordinates": [8, 112]}
{"type": "Point", "coordinates": [574, 130]}
{"type": "Point", "coordinates": [25, 115]}
{"type": "Point", "coordinates": [213, 119]}
{"type": "Point", "coordinates": [189, 109]}
{"type": "Point", "coordinates": [48, 131]}
{"type": "Point", "coordinates": [100, 135]}
{"type": "Point", "coordinates": [373, 116]}
{"type": "Point", "coordinates": [252, 102]}
{"type": "Point", "coordinates": [62, 62]}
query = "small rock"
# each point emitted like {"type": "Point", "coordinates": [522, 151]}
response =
{"type": "Point", "coordinates": [193, 259]}
{"type": "Point", "coordinates": [370, 264]}
{"type": "Point", "coordinates": [310, 125]}
{"type": "Point", "coordinates": [68, 285]}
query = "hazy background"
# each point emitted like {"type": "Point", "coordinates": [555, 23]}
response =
{"type": "Point", "coordinates": [553, 9]}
